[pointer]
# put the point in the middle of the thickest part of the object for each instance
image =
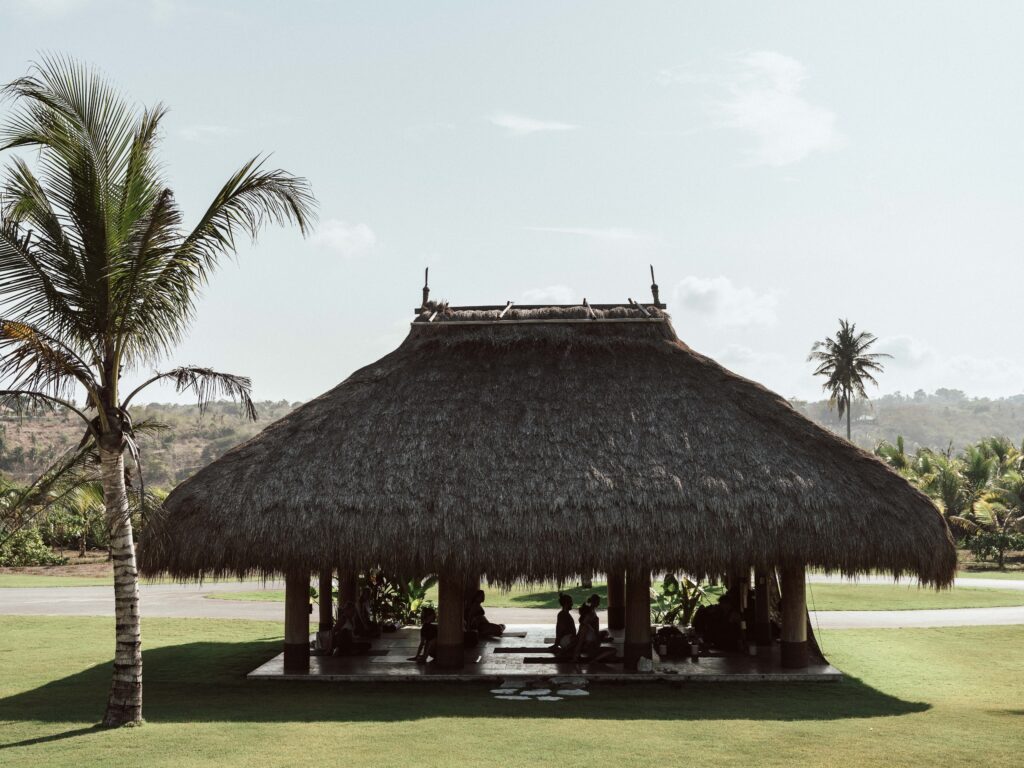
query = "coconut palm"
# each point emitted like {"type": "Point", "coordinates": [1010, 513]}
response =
{"type": "Point", "coordinates": [847, 366]}
{"type": "Point", "coordinates": [99, 277]}
{"type": "Point", "coordinates": [895, 455]}
{"type": "Point", "coordinates": [1000, 514]}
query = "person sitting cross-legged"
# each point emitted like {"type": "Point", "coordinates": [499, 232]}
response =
{"type": "Point", "coordinates": [588, 646]}
{"type": "Point", "coordinates": [565, 627]}
{"type": "Point", "coordinates": [476, 618]}
{"type": "Point", "coordinates": [344, 634]}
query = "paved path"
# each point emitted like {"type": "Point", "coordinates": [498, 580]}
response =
{"type": "Point", "coordinates": [188, 600]}
{"type": "Point", "coordinates": [980, 583]}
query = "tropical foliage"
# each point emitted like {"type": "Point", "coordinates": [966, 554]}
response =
{"type": "Point", "coordinates": [979, 490]}
{"type": "Point", "coordinates": [677, 599]}
{"type": "Point", "coordinates": [99, 278]}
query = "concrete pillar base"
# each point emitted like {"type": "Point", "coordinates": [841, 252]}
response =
{"type": "Point", "coordinates": [633, 652]}
{"type": "Point", "coordinates": [795, 655]}
{"type": "Point", "coordinates": [296, 657]}
{"type": "Point", "coordinates": [450, 656]}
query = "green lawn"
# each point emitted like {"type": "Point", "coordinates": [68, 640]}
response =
{"type": "Point", "coordinates": [34, 580]}
{"type": "Point", "coordinates": [890, 597]}
{"type": "Point", "coordinates": [914, 697]}
{"type": "Point", "coordinates": [822, 597]}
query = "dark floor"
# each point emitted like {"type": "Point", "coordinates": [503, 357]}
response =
{"type": "Point", "coordinates": [389, 661]}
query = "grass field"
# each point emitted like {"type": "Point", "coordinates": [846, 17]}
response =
{"type": "Point", "coordinates": [821, 597]}
{"type": "Point", "coordinates": [914, 697]}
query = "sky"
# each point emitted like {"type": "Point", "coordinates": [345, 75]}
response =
{"type": "Point", "coordinates": [780, 165]}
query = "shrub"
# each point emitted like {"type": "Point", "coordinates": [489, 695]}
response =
{"type": "Point", "coordinates": [26, 547]}
{"type": "Point", "coordinates": [993, 545]}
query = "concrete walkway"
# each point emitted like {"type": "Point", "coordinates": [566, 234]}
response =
{"type": "Point", "coordinates": [189, 600]}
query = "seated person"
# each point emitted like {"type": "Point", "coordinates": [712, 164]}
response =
{"type": "Point", "coordinates": [719, 625]}
{"type": "Point", "coordinates": [565, 627]}
{"type": "Point", "coordinates": [594, 601]}
{"type": "Point", "coordinates": [343, 638]}
{"type": "Point", "coordinates": [428, 636]}
{"type": "Point", "coordinates": [476, 618]}
{"type": "Point", "coordinates": [588, 646]}
{"type": "Point", "coordinates": [365, 626]}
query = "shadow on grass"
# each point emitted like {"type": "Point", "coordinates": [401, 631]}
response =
{"type": "Point", "coordinates": [205, 682]}
{"type": "Point", "coordinates": [549, 598]}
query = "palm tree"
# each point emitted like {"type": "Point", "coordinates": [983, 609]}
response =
{"type": "Point", "coordinates": [99, 277]}
{"type": "Point", "coordinates": [1000, 514]}
{"type": "Point", "coordinates": [847, 366]}
{"type": "Point", "coordinates": [895, 456]}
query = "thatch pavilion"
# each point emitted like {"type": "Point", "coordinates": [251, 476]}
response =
{"type": "Point", "coordinates": [542, 442]}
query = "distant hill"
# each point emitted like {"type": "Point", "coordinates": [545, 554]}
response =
{"type": "Point", "coordinates": [936, 420]}
{"type": "Point", "coordinates": [28, 444]}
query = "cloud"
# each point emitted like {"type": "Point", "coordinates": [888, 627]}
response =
{"type": "Point", "coordinates": [762, 96]}
{"type": "Point", "coordinates": [350, 240]}
{"type": "Point", "coordinates": [906, 351]}
{"type": "Point", "coordinates": [551, 294]}
{"type": "Point", "coordinates": [725, 304]}
{"type": "Point", "coordinates": [597, 233]}
{"type": "Point", "coordinates": [765, 101]}
{"type": "Point", "coordinates": [206, 133]}
{"type": "Point", "coordinates": [520, 125]}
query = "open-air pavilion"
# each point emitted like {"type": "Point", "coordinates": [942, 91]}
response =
{"type": "Point", "coordinates": [540, 443]}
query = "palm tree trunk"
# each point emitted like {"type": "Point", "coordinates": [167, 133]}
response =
{"type": "Point", "coordinates": [124, 703]}
{"type": "Point", "coordinates": [849, 406]}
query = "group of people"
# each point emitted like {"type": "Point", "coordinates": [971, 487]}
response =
{"type": "Point", "coordinates": [475, 626]}
{"type": "Point", "coordinates": [584, 643]}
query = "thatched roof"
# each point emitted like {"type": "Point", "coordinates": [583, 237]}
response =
{"type": "Point", "coordinates": [549, 442]}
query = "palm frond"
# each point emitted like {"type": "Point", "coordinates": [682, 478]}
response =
{"type": "Point", "coordinates": [207, 385]}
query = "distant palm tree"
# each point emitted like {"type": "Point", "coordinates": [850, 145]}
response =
{"type": "Point", "coordinates": [98, 277]}
{"type": "Point", "coordinates": [847, 366]}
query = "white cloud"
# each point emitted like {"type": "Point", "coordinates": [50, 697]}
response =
{"type": "Point", "coordinates": [906, 351]}
{"type": "Point", "coordinates": [206, 133]}
{"type": "Point", "coordinates": [725, 304]}
{"type": "Point", "coordinates": [520, 125]}
{"type": "Point", "coordinates": [551, 294]}
{"type": "Point", "coordinates": [765, 101]}
{"type": "Point", "coordinates": [597, 233]}
{"type": "Point", "coordinates": [350, 240]}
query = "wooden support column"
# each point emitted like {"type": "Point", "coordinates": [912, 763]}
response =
{"type": "Point", "coordinates": [638, 617]}
{"type": "Point", "coordinates": [451, 644]}
{"type": "Point", "coordinates": [762, 608]}
{"type": "Point", "coordinates": [616, 599]}
{"type": "Point", "coordinates": [794, 617]}
{"type": "Point", "coordinates": [326, 600]}
{"type": "Point", "coordinates": [348, 587]}
{"type": "Point", "coordinates": [296, 621]}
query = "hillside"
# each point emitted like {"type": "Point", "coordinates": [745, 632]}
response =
{"type": "Point", "coordinates": [28, 444]}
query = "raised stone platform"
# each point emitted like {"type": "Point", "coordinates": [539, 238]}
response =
{"type": "Point", "coordinates": [488, 662]}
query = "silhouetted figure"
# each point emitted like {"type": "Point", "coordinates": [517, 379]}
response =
{"type": "Point", "coordinates": [719, 625]}
{"type": "Point", "coordinates": [343, 638]}
{"type": "Point", "coordinates": [588, 646]}
{"type": "Point", "coordinates": [428, 636]}
{"type": "Point", "coordinates": [476, 618]}
{"type": "Point", "coordinates": [565, 627]}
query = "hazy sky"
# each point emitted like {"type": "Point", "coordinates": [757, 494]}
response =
{"type": "Point", "coordinates": [780, 169]}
